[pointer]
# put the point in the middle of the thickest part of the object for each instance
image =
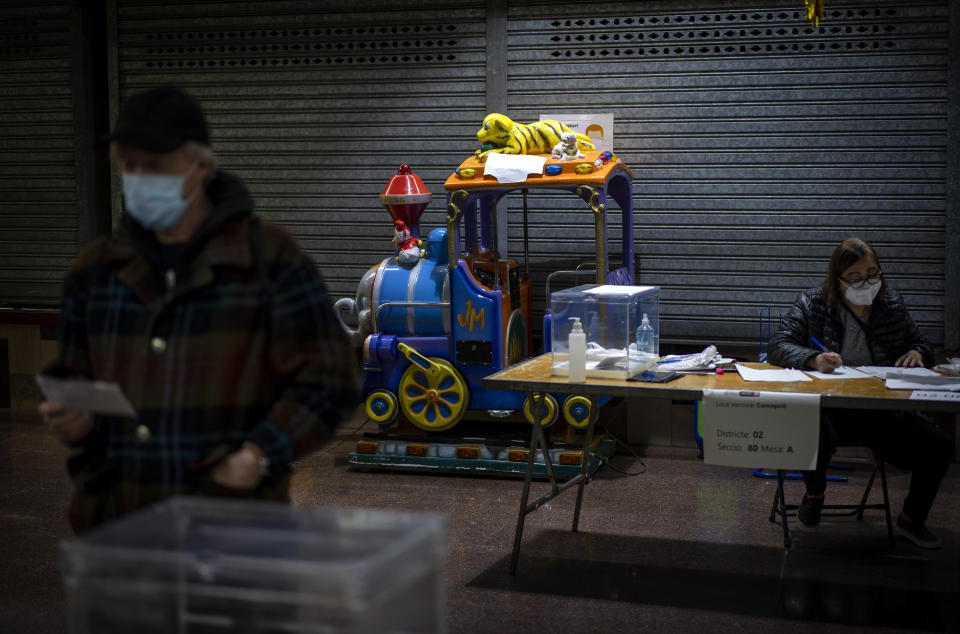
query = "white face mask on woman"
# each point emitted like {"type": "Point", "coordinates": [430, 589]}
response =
{"type": "Point", "coordinates": [862, 296]}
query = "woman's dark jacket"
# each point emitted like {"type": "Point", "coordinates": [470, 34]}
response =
{"type": "Point", "coordinates": [889, 329]}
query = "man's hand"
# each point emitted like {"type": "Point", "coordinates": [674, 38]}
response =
{"type": "Point", "coordinates": [69, 426]}
{"type": "Point", "coordinates": [913, 359]}
{"type": "Point", "coordinates": [241, 469]}
{"type": "Point", "coordinates": [826, 362]}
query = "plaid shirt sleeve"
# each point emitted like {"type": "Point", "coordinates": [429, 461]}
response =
{"type": "Point", "coordinates": [311, 358]}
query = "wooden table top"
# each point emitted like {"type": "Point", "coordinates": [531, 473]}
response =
{"type": "Point", "coordinates": [534, 376]}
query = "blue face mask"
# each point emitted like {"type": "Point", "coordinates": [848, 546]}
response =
{"type": "Point", "coordinates": [154, 200]}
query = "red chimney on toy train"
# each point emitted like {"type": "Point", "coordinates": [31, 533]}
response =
{"type": "Point", "coordinates": [405, 197]}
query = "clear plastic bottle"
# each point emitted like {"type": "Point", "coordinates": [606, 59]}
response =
{"type": "Point", "coordinates": [577, 346]}
{"type": "Point", "coordinates": [645, 336]}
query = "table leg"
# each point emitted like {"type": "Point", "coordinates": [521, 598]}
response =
{"type": "Point", "coordinates": [585, 463]}
{"type": "Point", "coordinates": [956, 430]}
{"type": "Point", "coordinates": [780, 507]}
{"type": "Point", "coordinates": [536, 438]}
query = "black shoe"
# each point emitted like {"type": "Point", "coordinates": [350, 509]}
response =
{"type": "Point", "coordinates": [808, 514]}
{"type": "Point", "coordinates": [917, 533]}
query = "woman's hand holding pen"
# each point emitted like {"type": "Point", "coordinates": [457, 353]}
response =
{"type": "Point", "coordinates": [826, 362]}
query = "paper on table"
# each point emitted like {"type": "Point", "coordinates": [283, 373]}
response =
{"type": "Point", "coordinates": [948, 383]}
{"type": "Point", "coordinates": [785, 375]}
{"type": "Point", "coordinates": [513, 168]}
{"type": "Point", "coordinates": [923, 395]}
{"type": "Point", "coordinates": [932, 377]}
{"type": "Point", "coordinates": [883, 371]}
{"type": "Point", "coordinates": [98, 397]}
{"type": "Point", "coordinates": [614, 289]}
{"type": "Point", "coordinates": [843, 372]}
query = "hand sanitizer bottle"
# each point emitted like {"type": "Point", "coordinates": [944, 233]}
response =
{"type": "Point", "coordinates": [577, 346]}
{"type": "Point", "coordinates": [645, 336]}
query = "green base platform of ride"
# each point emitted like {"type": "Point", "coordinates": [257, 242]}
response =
{"type": "Point", "coordinates": [491, 459]}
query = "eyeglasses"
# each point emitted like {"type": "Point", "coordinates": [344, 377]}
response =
{"type": "Point", "coordinates": [870, 280]}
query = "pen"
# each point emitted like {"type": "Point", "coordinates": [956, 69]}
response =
{"type": "Point", "coordinates": [818, 344]}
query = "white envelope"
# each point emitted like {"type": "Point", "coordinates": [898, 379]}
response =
{"type": "Point", "coordinates": [96, 397]}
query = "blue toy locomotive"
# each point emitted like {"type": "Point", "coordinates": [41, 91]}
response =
{"type": "Point", "coordinates": [432, 327]}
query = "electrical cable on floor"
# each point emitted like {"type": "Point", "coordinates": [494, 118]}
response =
{"type": "Point", "coordinates": [338, 442]}
{"type": "Point", "coordinates": [618, 470]}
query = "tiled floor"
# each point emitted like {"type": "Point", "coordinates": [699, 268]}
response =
{"type": "Point", "coordinates": [683, 547]}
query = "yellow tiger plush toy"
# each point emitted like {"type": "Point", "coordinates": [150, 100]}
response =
{"type": "Point", "coordinates": [508, 137]}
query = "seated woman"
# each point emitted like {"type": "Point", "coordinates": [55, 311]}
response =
{"type": "Point", "coordinates": [859, 320]}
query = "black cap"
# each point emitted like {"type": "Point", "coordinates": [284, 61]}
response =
{"type": "Point", "coordinates": [160, 120]}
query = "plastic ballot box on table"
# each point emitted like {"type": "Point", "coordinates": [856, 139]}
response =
{"type": "Point", "coordinates": [621, 325]}
{"type": "Point", "coordinates": [192, 564]}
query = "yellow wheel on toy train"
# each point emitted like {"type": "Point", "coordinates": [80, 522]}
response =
{"type": "Point", "coordinates": [434, 400]}
{"type": "Point", "coordinates": [577, 411]}
{"type": "Point", "coordinates": [381, 407]}
{"type": "Point", "coordinates": [550, 410]}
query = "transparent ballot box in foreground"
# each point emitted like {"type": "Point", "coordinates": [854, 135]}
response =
{"type": "Point", "coordinates": [193, 564]}
{"type": "Point", "coordinates": [621, 324]}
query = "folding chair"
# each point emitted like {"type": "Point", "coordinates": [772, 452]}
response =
{"type": "Point", "coordinates": [784, 511]}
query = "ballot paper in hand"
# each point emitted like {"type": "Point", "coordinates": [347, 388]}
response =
{"type": "Point", "coordinates": [96, 397]}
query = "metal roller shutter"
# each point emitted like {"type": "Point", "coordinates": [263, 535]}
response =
{"type": "Point", "coordinates": [758, 143]}
{"type": "Point", "coordinates": [316, 104]}
{"type": "Point", "coordinates": [38, 187]}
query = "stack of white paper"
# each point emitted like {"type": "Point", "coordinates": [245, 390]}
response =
{"type": "Point", "coordinates": [884, 371]}
{"type": "Point", "coordinates": [786, 375]}
{"type": "Point", "coordinates": [949, 383]}
{"type": "Point", "coordinates": [911, 378]}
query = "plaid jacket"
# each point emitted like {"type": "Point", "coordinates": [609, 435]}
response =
{"type": "Point", "coordinates": [238, 342]}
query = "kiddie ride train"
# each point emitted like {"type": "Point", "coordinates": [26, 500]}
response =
{"type": "Point", "coordinates": [443, 313]}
